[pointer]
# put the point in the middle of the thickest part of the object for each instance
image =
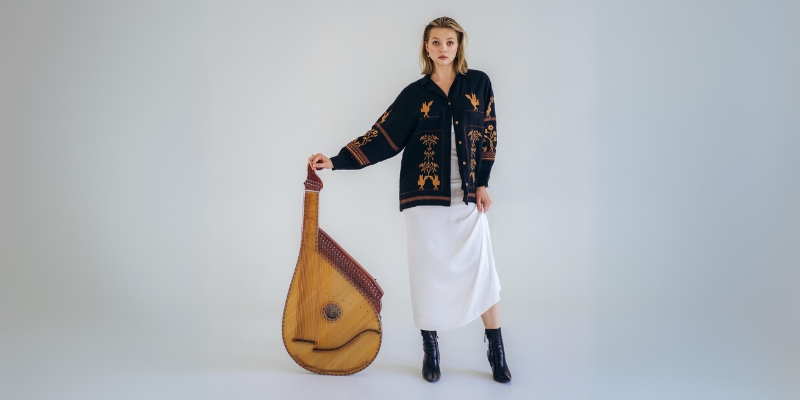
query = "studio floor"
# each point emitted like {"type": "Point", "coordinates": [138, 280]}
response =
{"type": "Point", "coordinates": [550, 358]}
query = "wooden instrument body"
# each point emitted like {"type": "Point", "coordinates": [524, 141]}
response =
{"type": "Point", "coordinates": [331, 319]}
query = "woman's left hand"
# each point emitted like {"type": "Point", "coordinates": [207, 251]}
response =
{"type": "Point", "coordinates": [482, 199]}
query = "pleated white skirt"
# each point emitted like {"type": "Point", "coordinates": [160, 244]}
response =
{"type": "Point", "coordinates": [450, 263]}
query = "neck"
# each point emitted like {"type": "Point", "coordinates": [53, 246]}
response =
{"type": "Point", "coordinates": [443, 73]}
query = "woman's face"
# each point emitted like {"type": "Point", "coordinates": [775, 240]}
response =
{"type": "Point", "coordinates": [442, 45]}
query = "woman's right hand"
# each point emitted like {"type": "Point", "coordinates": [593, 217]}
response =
{"type": "Point", "coordinates": [319, 161]}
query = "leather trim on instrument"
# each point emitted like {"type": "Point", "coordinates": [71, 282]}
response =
{"type": "Point", "coordinates": [312, 182]}
{"type": "Point", "coordinates": [349, 268]}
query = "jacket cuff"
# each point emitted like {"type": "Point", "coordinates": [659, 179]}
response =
{"type": "Point", "coordinates": [483, 174]}
{"type": "Point", "coordinates": [343, 161]}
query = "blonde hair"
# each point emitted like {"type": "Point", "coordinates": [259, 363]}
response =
{"type": "Point", "coordinates": [460, 61]}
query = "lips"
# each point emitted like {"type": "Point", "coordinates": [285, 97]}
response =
{"type": "Point", "coordinates": [442, 57]}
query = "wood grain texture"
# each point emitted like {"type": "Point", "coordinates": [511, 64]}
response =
{"type": "Point", "coordinates": [342, 346]}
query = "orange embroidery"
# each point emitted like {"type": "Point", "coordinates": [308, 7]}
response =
{"type": "Point", "coordinates": [474, 100]}
{"type": "Point", "coordinates": [473, 137]}
{"type": "Point", "coordinates": [490, 138]}
{"type": "Point", "coordinates": [426, 107]}
{"type": "Point", "coordinates": [372, 133]}
{"type": "Point", "coordinates": [428, 167]}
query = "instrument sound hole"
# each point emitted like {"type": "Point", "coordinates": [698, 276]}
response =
{"type": "Point", "coordinates": [332, 312]}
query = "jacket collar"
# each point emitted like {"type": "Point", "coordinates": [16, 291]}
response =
{"type": "Point", "coordinates": [427, 79]}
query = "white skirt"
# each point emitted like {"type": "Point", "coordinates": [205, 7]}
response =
{"type": "Point", "coordinates": [450, 263]}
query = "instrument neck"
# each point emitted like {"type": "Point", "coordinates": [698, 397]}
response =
{"type": "Point", "coordinates": [311, 206]}
{"type": "Point", "coordinates": [310, 216]}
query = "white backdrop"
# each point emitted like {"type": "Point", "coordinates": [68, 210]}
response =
{"type": "Point", "coordinates": [291, 80]}
{"type": "Point", "coordinates": [645, 220]}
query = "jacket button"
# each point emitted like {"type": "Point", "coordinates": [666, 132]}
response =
{"type": "Point", "coordinates": [448, 103]}
{"type": "Point", "coordinates": [459, 142]}
{"type": "Point", "coordinates": [456, 122]}
{"type": "Point", "coordinates": [463, 163]}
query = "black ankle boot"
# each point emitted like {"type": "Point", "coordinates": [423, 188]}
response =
{"type": "Point", "coordinates": [497, 356]}
{"type": "Point", "coordinates": [430, 361]}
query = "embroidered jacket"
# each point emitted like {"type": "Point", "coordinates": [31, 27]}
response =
{"type": "Point", "coordinates": [419, 121]}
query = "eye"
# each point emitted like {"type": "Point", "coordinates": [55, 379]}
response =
{"type": "Point", "coordinates": [435, 42]}
{"type": "Point", "coordinates": [450, 43]}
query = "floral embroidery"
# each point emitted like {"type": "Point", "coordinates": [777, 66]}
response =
{"type": "Point", "coordinates": [474, 100]}
{"type": "Point", "coordinates": [386, 114]}
{"type": "Point", "coordinates": [354, 145]}
{"type": "Point", "coordinates": [428, 167]}
{"type": "Point", "coordinates": [426, 107]}
{"type": "Point", "coordinates": [372, 133]}
{"type": "Point", "coordinates": [489, 107]}
{"type": "Point", "coordinates": [490, 136]}
{"type": "Point", "coordinates": [474, 135]}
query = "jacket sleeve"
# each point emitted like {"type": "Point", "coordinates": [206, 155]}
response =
{"type": "Point", "coordinates": [386, 139]}
{"type": "Point", "coordinates": [489, 137]}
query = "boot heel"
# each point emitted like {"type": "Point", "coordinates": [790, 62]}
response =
{"type": "Point", "coordinates": [497, 357]}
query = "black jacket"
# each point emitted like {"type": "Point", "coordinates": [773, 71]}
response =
{"type": "Point", "coordinates": [420, 121]}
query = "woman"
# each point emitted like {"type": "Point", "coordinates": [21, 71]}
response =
{"type": "Point", "coordinates": [446, 124]}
